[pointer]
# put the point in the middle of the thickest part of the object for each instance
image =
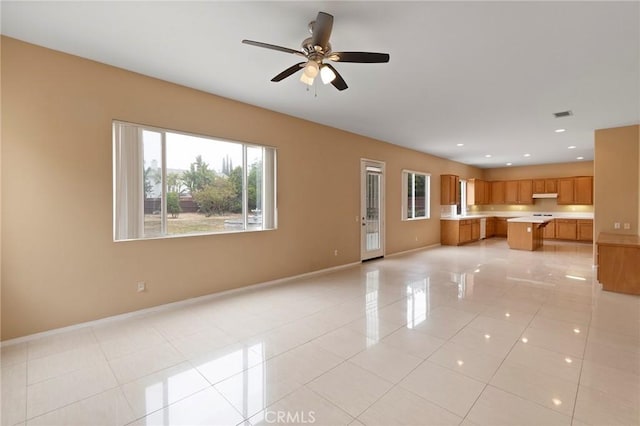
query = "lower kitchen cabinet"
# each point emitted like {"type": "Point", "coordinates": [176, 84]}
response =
{"type": "Point", "coordinates": [566, 229]}
{"type": "Point", "coordinates": [585, 229]}
{"type": "Point", "coordinates": [491, 227]}
{"type": "Point", "coordinates": [619, 262]}
{"type": "Point", "coordinates": [456, 232]}
{"type": "Point", "coordinates": [501, 227]}
{"type": "Point", "coordinates": [549, 232]}
{"type": "Point", "coordinates": [574, 229]}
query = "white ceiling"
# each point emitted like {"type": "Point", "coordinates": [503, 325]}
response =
{"type": "Point", "coordinates": [489, 75]}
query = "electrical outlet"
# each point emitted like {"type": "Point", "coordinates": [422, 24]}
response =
{"type": "Point", "coordinates": [142, 286]}
{"type": "Point", "coordinates": [627, 226]}
{"type": "Point", "coordinates": [335, 252]}
{"type": "Point", "coordinates": [616, 225]}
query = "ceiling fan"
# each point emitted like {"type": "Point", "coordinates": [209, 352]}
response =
{"type": "Point", "coordinates": [316, 49]}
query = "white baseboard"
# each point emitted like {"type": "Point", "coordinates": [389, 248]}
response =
{"type": "Point", "coordinates": [171, 305]}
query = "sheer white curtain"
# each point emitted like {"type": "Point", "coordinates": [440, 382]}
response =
{"type": "Point", "coordinates": [128, 181]}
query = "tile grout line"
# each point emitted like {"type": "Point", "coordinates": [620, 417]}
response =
{"type": "Point", "coordinates": [584, 352]}
{"type": "Point", "coordinates": [499, 366]}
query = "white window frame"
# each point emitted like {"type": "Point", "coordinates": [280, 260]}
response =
{"type": "Point", "coordinates": [270, 202]}
{"type": "Point", "coordinates": [427, 195]}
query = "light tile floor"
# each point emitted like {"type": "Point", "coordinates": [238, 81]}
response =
{"type": "Point", "coordinates": [472, 335]}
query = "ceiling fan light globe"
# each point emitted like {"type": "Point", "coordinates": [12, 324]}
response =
{"type": "Point", "coordinates": [306, 79]}
{"type": "Point", "coordinates": [311, 69]}
{"type": "Point", "coordinates": [327, 75]}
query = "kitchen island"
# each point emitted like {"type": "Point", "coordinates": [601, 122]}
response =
{"type": "Point", "coordinates": [526, 233]}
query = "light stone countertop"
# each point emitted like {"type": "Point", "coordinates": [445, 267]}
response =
{"type": "Point", "coordinates": [531, 219]}
{"type": "Point", "coordinates": [511, 215]}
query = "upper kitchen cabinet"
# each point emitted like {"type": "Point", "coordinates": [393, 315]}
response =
{"type": "Point", "coordinates": [545, 186]}
{"type": "Point", "coordinates": [497, 192]}
{"type": "Point", "coordinates": [449, 194]}
{"type": "Point", "coordinates": [478, 192]}
{"type": "Point", "coordinates": [583, 190]}
{"type": "Point", "coordinates": [575, 190]}
{"type": "Point", "coordinates": [518, 192]}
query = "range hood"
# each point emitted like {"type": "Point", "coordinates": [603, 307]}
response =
{"type": "Point", "coordinates": [545, 195]}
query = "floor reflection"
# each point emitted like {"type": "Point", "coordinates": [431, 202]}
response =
{"type": "Point", "coordinates": [372, 285]}
{"type": "Point", "coordinates": [418, 302]}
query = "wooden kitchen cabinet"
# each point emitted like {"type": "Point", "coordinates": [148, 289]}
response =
{"type": "Point", "coordinates": [565, 190]}
{"type": "Point", "coordinates": [475, 230]}
{"type": "Point", "coordinates": [478, 192]}
{"type": "Point", "coordinates": [497, 192]}
{"type": "Point", "coordinates": [585, 229]}
{"type": "Point", "coordinates": [511, 192]}
{"type": "Point", "coordinates": [566, 229]}
{"type": "Point", "coordinates": [501, 227]}
{"type": "Point", "coordinates": [550, 231]}
{"type": "Point", "coordinates": [456, 232]}
{"type": "Point", "coordinates": [583, 190]}
{"type": "Point", "coordinates": [551, 186]}
{"type": "Point", "coordinates": [491, 227]}
{"type": "Point", "coordinates": [518, 192]}
{"type": "Point", "coordinates": [545, 186]}
{"type": "Point", "coordinates": [575, 190]}
{"type": "Point", "coordinates": [449, 190]}
{"type": "Point", "coordinates": [619, 262]}
{"type": "Point", "coordinates": [487, 192]}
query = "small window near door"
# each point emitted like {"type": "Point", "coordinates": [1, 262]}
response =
{"type": "Point", "coordinates": [415, 190]}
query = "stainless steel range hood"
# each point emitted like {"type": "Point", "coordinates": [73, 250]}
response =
{"type": "Point", "coordinates": [545, 195]}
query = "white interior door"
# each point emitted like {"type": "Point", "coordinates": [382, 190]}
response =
{"type": "Point", "coordinates": [372, 210]}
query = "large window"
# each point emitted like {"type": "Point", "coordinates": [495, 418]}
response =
{"type": "Point", "coordinates": [415, 187]}
{"type": "Point", "coordinates": [168, 183]}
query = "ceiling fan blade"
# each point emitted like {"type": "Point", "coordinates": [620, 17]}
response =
{"type": "Point", "coordinates": [360, 57]}
{"type": "Point", "coordinates": [337, 82]}
{"type": "Point", "coordinates": [322, 30]}
{"type": "Point", "coordinates": [273, 47]}
{"type": "Point", "coordinates": [289, 71]}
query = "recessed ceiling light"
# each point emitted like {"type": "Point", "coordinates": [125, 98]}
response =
{"type": "Point", "coordinates": [459, 144]}
{"type": "Point", "coordinates": [560, 130]}
{"type": "Point", "coordinates": [571, 147]}
{"type": "Point", "coordinates": [508, 164]}
{"type": "Point", "coordinates": [487, 336]}
{"type": "Point", "coordinates": [527, 155]}
{"type": "Point", "coordinates": [579, 158]}
{"type": "Point", "coordinates": [524, 340]}
{"type": "Point", "coordinates": [488, 155]}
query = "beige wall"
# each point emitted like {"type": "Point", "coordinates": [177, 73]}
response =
{"type": "Point", "coordinates": [60, 265]}
{"type": "Point", "coordinates": [617, 166]}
